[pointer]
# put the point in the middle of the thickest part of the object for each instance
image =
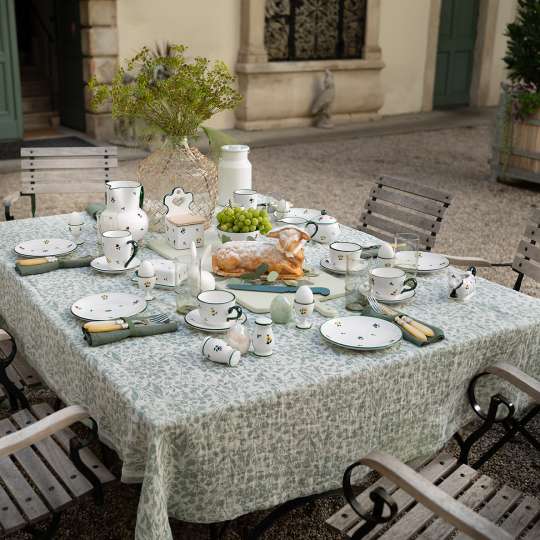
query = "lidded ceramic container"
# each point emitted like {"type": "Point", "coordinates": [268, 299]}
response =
{"type": "Point", "coordinates": [182, 229]}
{"type": "Point", "coordinates": [234, 171]}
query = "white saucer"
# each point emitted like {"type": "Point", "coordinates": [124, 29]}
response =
{"type": "Point", "coordinates": [45, 247]}
{"type": "Point", "coordinates": [326, 263]}
{"type": "Point", "coordinates": [400, 298]}
{"type": "Point", "coordinates": [427, 261]}
{"type": "Point", "coordinates": [194, 320]}
{"type": "Point", "coordinates": [101, 265]}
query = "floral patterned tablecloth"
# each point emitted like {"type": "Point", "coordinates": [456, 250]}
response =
{"type": "Point", "coordinates": [211, 443]}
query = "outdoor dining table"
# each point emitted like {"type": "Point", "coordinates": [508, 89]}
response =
{"type": "Point", "coordinates": [209, 442]}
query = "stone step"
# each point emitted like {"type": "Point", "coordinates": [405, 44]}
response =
{"type": "Point", "coordinates": [40, 120]}
{"type": "Point", "coordinates": [39, 87]}
{"type": "Point", "coordinates": [31, 104]}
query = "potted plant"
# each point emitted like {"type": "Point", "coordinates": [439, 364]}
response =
{"type": "Point", "coordinates": [518, 134]}
{"type": "Point", "coordinates": [172, 96]}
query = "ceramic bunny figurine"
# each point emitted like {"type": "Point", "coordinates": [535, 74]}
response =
{"type": "Point", "coordinates": [462, 284]}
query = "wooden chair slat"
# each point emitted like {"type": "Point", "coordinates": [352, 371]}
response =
{"type": "Point", "coordinates": [82, 187]}
{"type": "Point", "coordinates": [425, 239]}
{"type": "Point", "coordinates": [496, 507]}
{"type": "Point", "coordinates": [56, 458]}
{"type": "Point", "coordinates": [69, 163]}
{"type": "Point", "coordinates": [536, 216]}
{"type": "Point", "coordinates": [346, 518]}
{"type": "Point", "coordinates": [426, 206]}
{"type": "Point", "coordinates": [50, 488]}
{"type": "Point", "coordinates": [11, 519]}
{"type": "Point", "coordinates": [521, 516]}
{"type": "Point", "coordinates": [65, 435]}
{"type": "Point", "coordinates": [377, 234]}
{"type": "Point", "coordinates": [14, 377]}
{"type": "Point", "coordinates": [409, 525]}
{"type": "Point", "coordinates": [27, 374]}
{"type": "Point", "coordinates": [22, 492]}
{"type": "Point", "coordinates": [70, 151]}
{"type": "Point", "coordinates": [65, 175]}
{"type": "Point", "coordinates": [480, 491]}
{"type": "Point", "coordinates": [532, 232]}
{"type": "Point", "coordinates": [534, 533]}
{"type": "Point", "coordinates": [395, 213]}
{"type": "Point", "coordinates": [529, 250]}
{"type": "Point", "coordinates": [526, 267]}
{"type": "Point", "coordinates": [417, 189]}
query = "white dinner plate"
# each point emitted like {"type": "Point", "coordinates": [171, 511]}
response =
{"type": "Point", "coordinates": [101, 265]}
{"type": "Point", "coordinates": [108, 306]}
{"type": "Point", "coordinates": [194, 320]}
{"type": "Point", "coordinates": [361, 333]}
{"type": "Point", "coordinates": [427, 261]}
{"type": "Point", "coordinates": [45, 247]}
{"type": "Point", "coordinates": [398, 299]}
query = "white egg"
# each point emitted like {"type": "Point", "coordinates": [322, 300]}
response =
{"type": "Point", "coordinates": [146, 270]}
{"type": "Point", "coordinates": [208, 282]}
{"type": "Point", "coordinates": [304, 295]}
{"type": "Point", "coordinates": [386, 251]}
{"type": "Point", "coordinates": [75, 218]}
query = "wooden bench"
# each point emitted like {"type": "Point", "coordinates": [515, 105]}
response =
{"type": "Point", "coordinates": [400, 206]}
{"type": "Point", "coordinates": [45, 468]}
{"type": "Point", "coordinates": [442, 499]}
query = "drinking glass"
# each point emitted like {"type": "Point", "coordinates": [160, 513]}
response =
{"type": "Point", "coordinates": [356, 283]}
{"type": "Point", "coordinates": [407, 245]}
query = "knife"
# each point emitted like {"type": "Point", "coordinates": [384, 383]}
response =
{"type": "Point", "coordinates": [324, 291]}
{"type": "Point", "coordinates": [35, 262]}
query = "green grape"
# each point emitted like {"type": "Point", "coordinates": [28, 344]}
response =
{"type": "Point", "coordinates": [245, 229]}
{"type": "Point", "coordinates": [247, 222]}
{"type": "Point", "coordinates": [225, 227]}
{"type": "Point", "coordinates": [252, 228]}
{"type": "Point", "coordinates": [236, 228]}
{"type": "Point", "coordinates": [241, 217]}
{"type": "Point", "coordinates": [255, 221]}
{"type": "Point", "coordinates": [263, 213]}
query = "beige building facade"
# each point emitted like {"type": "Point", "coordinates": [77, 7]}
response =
{"type": "Point", "coordinates": [404, 65]}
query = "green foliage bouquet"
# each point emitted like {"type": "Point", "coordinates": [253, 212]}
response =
{"type": "Point", "coordinates": [169, 93]}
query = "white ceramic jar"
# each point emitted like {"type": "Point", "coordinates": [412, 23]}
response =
{"type": "Point", "coordinates": [183, 229]}
{"type": "Point", "coordinates": [234, 171]}
{"type": "Point", "coordinates": [263, 337]}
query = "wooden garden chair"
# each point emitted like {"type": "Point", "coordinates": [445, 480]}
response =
{"type": "Point", "coordinates": [45, 468]}
{"type": "Point", "coordinates": [400, 206]}
{"type": "Point", "coordinates": [58, 170]}
{"type": "Point", "coordinates": [49, 170]}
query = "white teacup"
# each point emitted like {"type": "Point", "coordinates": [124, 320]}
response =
{"type": "Point", "coordinates": [119, 248]}
{"type": "Point", "coordinates": [246, 198]}
{"type": "Point", "coordinates": [339, 251]}
{"type": "Point", "coordinates": [387, 283]}
{"type": "Point", "coordinates": [216, 308]}
{"type": "Point", "coordinates": [219, 351]}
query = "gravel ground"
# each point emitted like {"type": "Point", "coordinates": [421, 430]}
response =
{"type": "Point", "coordinates": [486, 219]}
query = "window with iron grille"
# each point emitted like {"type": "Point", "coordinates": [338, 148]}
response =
{"type": "Point", "coordinates": [314, 29]}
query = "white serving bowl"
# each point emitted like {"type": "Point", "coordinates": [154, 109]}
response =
{"type": "Point", "coordinates": [227, 236]}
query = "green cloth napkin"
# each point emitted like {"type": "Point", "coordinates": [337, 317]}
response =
{"type": "Point", "coordinates": [78, 262]}
{"type": "Point", "coordinates": [93, 208]}
{"type": "Point", "coordinates": [161, 247]}
{"type": "Point", "coordinates": [439, 334]}
{"type": "Point", "coordinates": [94, 339]}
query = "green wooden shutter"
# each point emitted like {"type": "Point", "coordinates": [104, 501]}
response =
{"type": "Point", "coordinates": [10, 84]}
{"type": "Point", "coordinates": [455, 52]}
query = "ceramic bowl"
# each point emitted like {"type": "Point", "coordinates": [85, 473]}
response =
{"type": "Point", "coordinates": [227, 236]}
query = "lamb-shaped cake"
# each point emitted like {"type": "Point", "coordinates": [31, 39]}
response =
{"type": "Point", "coordinates": [283, 252]}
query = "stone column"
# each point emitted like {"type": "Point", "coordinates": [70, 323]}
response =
{"type": "Point", "coordinates": [372, 49]}
{"type": "Point", "coordinates": [100, 59]}
{"type": "Point", "coordinates": [252, 49]}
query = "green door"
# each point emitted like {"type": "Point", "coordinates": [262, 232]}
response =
{"type": "Point", "coordinates": [455, 52]}
{"type": "Point", "coordinates": [10, 83]}
{"type": "Point", "coordinates": [70, 70]}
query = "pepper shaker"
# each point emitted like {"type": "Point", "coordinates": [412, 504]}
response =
{"type": "Point", "coordinates": [263, 338]}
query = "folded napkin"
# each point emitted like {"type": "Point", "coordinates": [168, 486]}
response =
{"type": "Point", "coordinates": [161, 247]}
{"type": "Point", "coordinates": [94, 208]}
{"type": "Point", "coordinates": [72, 262]}
{"type": "Point", "coordinates": [439, 334]}
{"type": "Point", "coordinates": [94, 339]}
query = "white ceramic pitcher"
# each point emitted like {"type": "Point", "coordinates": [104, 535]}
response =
{"type": "Point", "coordinates": [234, 171]}
{"type": "Point", "coordinates": [124, 209]}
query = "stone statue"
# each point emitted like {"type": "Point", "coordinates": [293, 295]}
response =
{"type": "Point", "coordinates": [323, 103]}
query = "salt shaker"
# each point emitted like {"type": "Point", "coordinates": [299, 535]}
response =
{"type": "Point", "coordinates": [303, 307]}
{"type": "Point", "coordinates": [75, 225]}
{"type": "Point", "coordinates": [263, 338]}
{"type": "Point", "coordinates": [217, 350]}
{"type": "Point", "coordinates": [146, 278]}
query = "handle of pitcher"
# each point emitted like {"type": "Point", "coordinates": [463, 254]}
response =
{"type": "Point", "coordinates": [141, 198]}
{"type": "Point", "coordinates": [135, 248]}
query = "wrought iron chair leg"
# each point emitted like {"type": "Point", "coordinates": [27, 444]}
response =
{"type": "Point", "coordinates": [58, 404]}
{"type": "Point", "coordinates": [519, 425]}
{"type": "Point", "coordinates": [17, 399]}
{"type": "Point", "coordinates": [50, 531]}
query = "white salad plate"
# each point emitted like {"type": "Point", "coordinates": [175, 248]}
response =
{"type": "Point", "coordinates": [398, 299]}
{"type": "Point", "coordinates": [326, 263]}
{"type": "Point", "coordinates": [108, 306]}
{"type": "Point", "coordinates": [193, 319]}
{"type": "Point", "coordinates": [45, 247]}
{"type": "Point", "coordinates": [427, 261]}
{"type": "Point", "coordinates": [361, 333]}
{"type": "Point", "coordinates": [101, 265]}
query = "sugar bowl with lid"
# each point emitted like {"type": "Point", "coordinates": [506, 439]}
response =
{"type": "Point", "coordinates": [323, 229]}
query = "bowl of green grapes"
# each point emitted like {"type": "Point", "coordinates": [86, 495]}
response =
{"type": "Point", "coordinates": [236, 224]}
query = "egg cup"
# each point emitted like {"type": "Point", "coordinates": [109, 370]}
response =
{"type": "Point", "coordinates": [303, 312]}
{"type": "Point", "coordinates": [146, 284]}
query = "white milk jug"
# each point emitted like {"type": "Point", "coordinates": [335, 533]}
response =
{"type": "Point", "coordinates": [234, 171]}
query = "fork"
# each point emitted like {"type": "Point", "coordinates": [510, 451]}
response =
{"type": "Point", "coordinates": [414, 328]}
{"type": "Point", "coordinates": [121, 324]}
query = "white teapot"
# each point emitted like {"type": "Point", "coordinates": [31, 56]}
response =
{"type": "Point", "coordinates": [325, 228]}
{"type": "Point", "coordinates": [462, 284]}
